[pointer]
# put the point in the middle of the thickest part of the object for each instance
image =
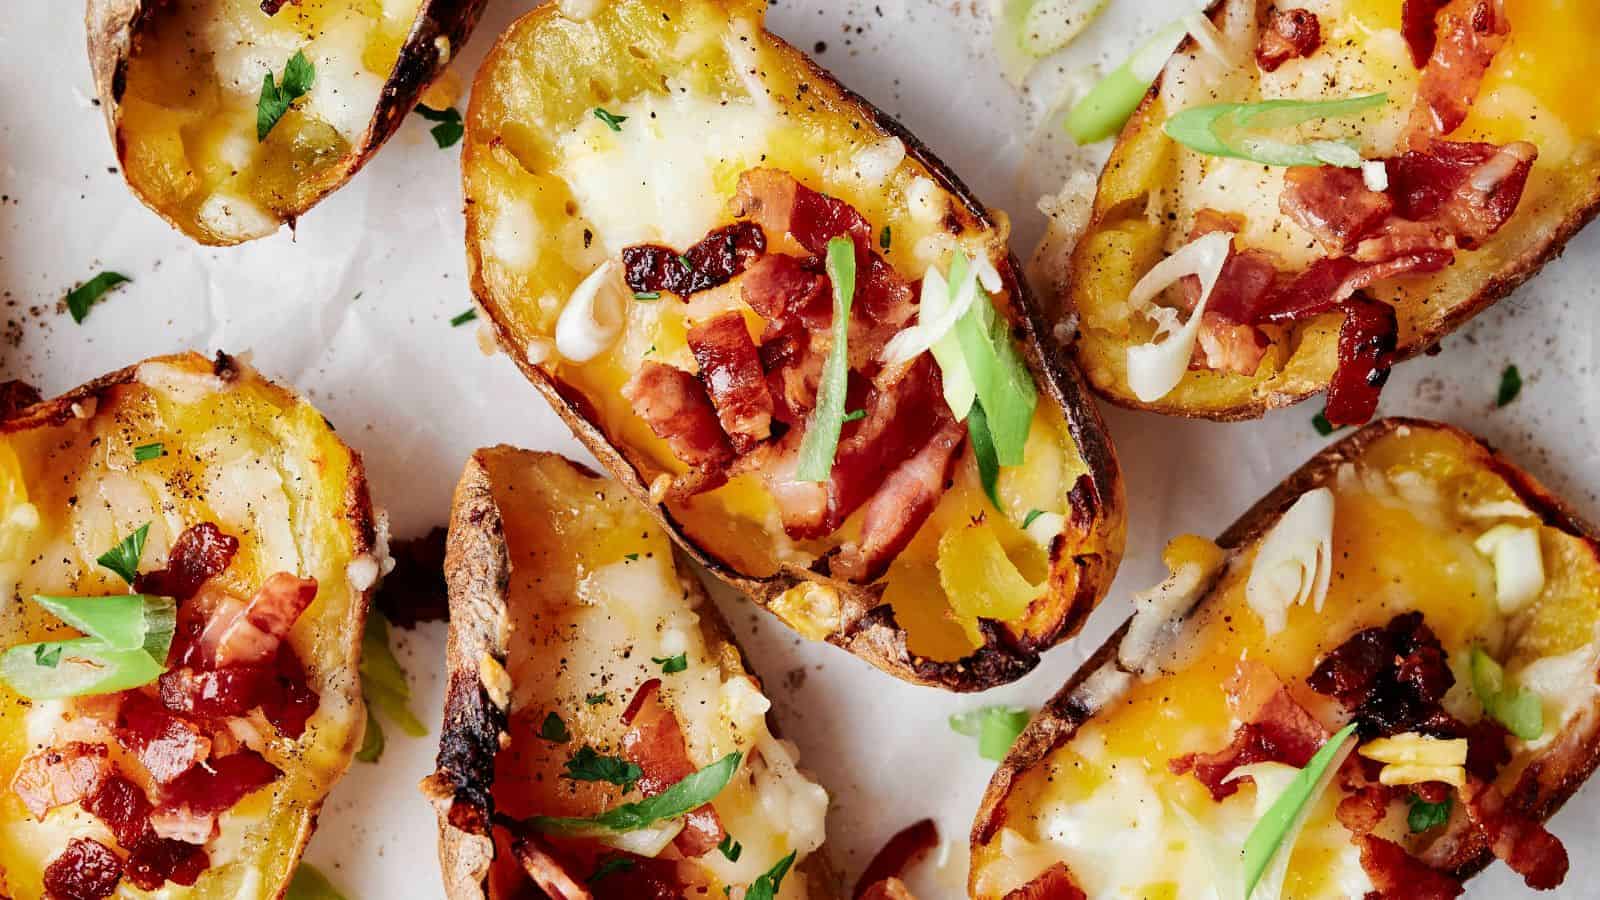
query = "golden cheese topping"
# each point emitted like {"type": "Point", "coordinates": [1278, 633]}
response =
{"type": "Point", "coordinates": [596, 603]}
{"type": "Point", "coordinates": [264, 467]}
{"type": "Point", "coordinates": [555, 193]}
{"type": "Point", "coordinates": [189, 111]}
{"type": "Point", "coordinates": [1406, 518]}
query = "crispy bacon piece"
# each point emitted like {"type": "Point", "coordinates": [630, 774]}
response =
{"type": "Point", "coordinates": [1468, 34]}
{"type": "Point", "coordinates": [676, 407]}
{"type": "Point", "coordinates": [1054, 883]}
{"type": "Point", "coordinates": [904, 501]}
{"type": "Point", "coordinates": [1367, 340]}
{"type": "Point", "coordinates": [1391, 678]}
{"type": "Point", "coordinates": [712, 262]}
{"type": "Point", "coordinates": [1397, 875]}
{"type": "Point", "coordinates": [1228, 341]}
{"type": "Point", "coordinates": [546, 870]}
{"type": "Point", "coordinates": [1225, 346]}
{"type": "Point", "coordinates": [787, 292]}
{"type": "Point", "coordinates": [1520, 840]}
{"type": "Point", "coordinates": [1287, 34]}
{"type": "Point", "coordinates": [794, 371]}
{"type": "Point", "coordinates": [123, 807]}
{"type": "Point", "coordinates": [188, 806]}
{"type": "Point", "coordinates": [1469, 189]}
{"type": "Point", "coordinates": [1275, 728]}
{"type": "Point", "coordinates": [271, 7]}
{"type": "Point", "coordinates": [57, 776]}
{"type": "Point", "coordinates": [730, 368]}
{"type": "Point", "coordinates": [1334, 204]}
{"type": "Point", "coordinates": [647, 879]}
{"type": "Point", "coordinates": [899, 853]}
{"type": "Point", "coordinates": [245, 633]}
{"type": "Point", "coordinates": [1417, 27]}
{"type": "Point", "coordinates": [200, 552]}
{"type": "Point", "coordinates": [287, 700]}
{"type": "Point", "coordinates": [154, 861]}
{"type": "Point", "coordinates": [166, 745]}
{"type": "Point", "coordinates": [86, 870]}
{"type": "Point", "coordinates": [1330, 282]}
{"type": "Point", "coordinates": [654, 743]}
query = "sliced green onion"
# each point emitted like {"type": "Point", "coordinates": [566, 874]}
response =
{"type": "Point", "coordinates": [613, 122]}
{"type": "Point", "coordinates": [383, 682]}
{"type": "Point", "coordinates": [983, 452]}
{"type": "Point", "coordinates": [1000, 379]}
{"type": "Point", "coordinates": [691, 793]}
{"type": "Point", "coordinates": [147, 452]}
{"type": "Point", "coordinates": [821, 440]}
{"type": "Point", "coordinates": [995, 727]}
{"type": "Point", "coordinates": [1234, 130]}
{"type": "Point", "coordinates": [372, 740]}
{"type": "Point", "coordinates": [310, 884]}
{"type": "Point", "coordinates": [82, 667]}
{"type": "Point", "coordinates": [121, 621]}
{"type": "Point", "coordinates": [1518, 709]}
{"type": "Point", "coordinates": [1268, 836]}
{"type": "Point", "coordinates": [766, 886]}
{"type": "Point", "coordinates": [462, 318]}
{"type": "Point", "coordinates": [123, 559]}
{"type": "Point", "coordinates": [1105, 109]}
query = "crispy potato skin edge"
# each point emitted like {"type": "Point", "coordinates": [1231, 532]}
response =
{"type": "Point", "coordinates": [478, 575]}
{"type": "Point", "coordinates": [1550, 779]}
{"type": "Point", "coordinates": [437, 35]}
{"type": "Point", "coordinates": [358, 511]}
{"type": "Point", "coordinates": [1097, 503]}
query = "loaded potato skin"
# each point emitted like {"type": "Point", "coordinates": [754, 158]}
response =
{"type": "Point", "coordinates": [650, 189]}
{"type": "Point", "coordinates": [1479, 119]}
{"type": "Point", "coordinates": [261, 534]}
{"type": "Point", "coordinates": [580, 643]}
{"type": "Point", "coordinates": [181, 87]}
{"type": "Point", "coordinates": [1411, 560]}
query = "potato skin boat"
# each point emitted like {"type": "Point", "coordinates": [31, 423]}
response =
{"type": "Point", "coordinates": [1109, 259]}
{"type": "Point", "coordinates": [479, 564]}
{"type": "Point", "coordinates": [1082, 559]}
{"type": "Point", "coordinates": [1547, 782]}
{"type": "Point", "coordinates": [155, 400]}
{"type": "Point", "coordinates": [116, 27]}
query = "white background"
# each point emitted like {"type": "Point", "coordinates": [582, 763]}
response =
{"type": "Point", "coordinates": [354, 310]}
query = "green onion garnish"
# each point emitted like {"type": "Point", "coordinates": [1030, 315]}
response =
{"type": "Point", "coordinates": [383, 682]}
{"type": "Point", "coordinates": [766, 887]}
{"type": "Point", "coordinates": [646, 296]}
{"type": "Point", "coordinates": [1510, 386]}
{"type": "Point", "coordinates": [123, 559]}
{"type": "Point", "coordinates": [1518, 709]}
{"type": "Point", "coordinates": [126, 647]}
{"type": "Point", "coordinates": [310, 884]}
{"type": "Point", "coordinates": [983, 452]}
{"type": "Point", "coordinates": [1425, 815]}
{"type": "Point", "coordinates": [147, 452]}
{"type": "Point", "coordinates": [121, 621]}
{"type": "Point", "coordinates": [85, 295]}
{"type": "Point", "coordinates": [1267, 837]}
{"type": "Point", "coordinates": [1234, 130]}
{"type": "Point", "coordinates": [612, 122]}
{"type": "Point", "coordinates": [1105, 109]}
{"type": "Point", "coordinates": [1000, 378]}
{"type": "Point", "coordinates": [995, 727]}
{"type": "Point", "coordinates": [691, 793]}
{"type": "Point", "coordinates": [671, 665]}
{"type": "Point", "coordinates": [821, 440]}
{"type": "Point", "coordinates": [462, 318]}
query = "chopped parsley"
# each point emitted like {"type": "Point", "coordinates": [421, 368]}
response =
{"type": "Point", "coordinates": [1425, 815]}
{"type": "Point", "coordinates": [85, 295]}
{"type": "Point", "coordinates": [147, 452]}
{"type": "Point", "coordinates": [554, 730]}
{"type": "Point", "coordinates": [611, 865]}
{"type": "Point", "coordinates": [766, 887]}
{"type": "Point", "coordinates": [671, 665]}
{"type": "Point", "coordinates": [1322, 425]}
{"type": "Point", "coordinates": [854, 414]}
{"type": "Point", "coordinates": [276, 98]}
{"type": "Point", "coordinates": [631, 557]}
{"type": "Point", "coordinates": [995, 727]}
{"type": "Point", "coordinates": [612, 122]}
{"type": "Point", "coordinates": [1510, 386]}
{"type": "Point", "coordinates": [448, 130]}
{"type": "Point", "coordinates": [589, 765]}
{"type": "Point", "coordinates": [123, 559]}
{"type": "Point", "coordinates": [646, 296]}
{"type": "Point", "coordinates": [884, 237]}
{"type": "Point", "coordinates": [731, 848]}
{"type": "Point", "coordinates": [595, 699]}
{"type": "Point", "coordinates": [462, 318]}
{"type": "Point", "coordinates": [47, 655]}
{"type": "Point", "coordinates": [1032, 514]}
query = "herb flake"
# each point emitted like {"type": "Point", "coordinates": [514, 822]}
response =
{"type": "Point", "coordinates": [449, 129]}
{"type": "Point", "coordinates": [613, 122]}
{"type": "Point", "coordinates": [1510, 387]}
{"type": "Point", "coordinates": [595, 699]}
{"type": "Point", "coordinates": [1425, 815]}
{"type": "Point", "coordinates": [1322, 425]}
{"type": "Point", "coordinates": [554, 730]}
{"type": "Point", "coordinates": [766, 887]}
{"type": "Point", "coordinates": [731, 848]}
{"type": "Point", "coordinates": [123, 559]}
{"type": "Point", "coordinates": [589, 765]}
{"type": "Point", "coordinates": [85, 295]}
{"type": "Point", "coordinates": [462, 318]}
{"type": "Point", "coordinates": [854, 415]}
{"type": "Point", "coordinates": [1032, 514]}
{"type": "Point", "coordinates": [884, 237]}
{"type": "Point", "coordinates": [646, 296]}
{"type": "Point", "coordinates": [672, 665]}
{"type": "Point", "coordinates": [147, 452]}
{"type": "Point", "coordinates": [276, 98]}
{"type": "Point", "coordinates": [47, 655]}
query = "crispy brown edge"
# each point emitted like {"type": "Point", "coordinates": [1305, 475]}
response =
{"type": "Point", "coordinates": [1509, 278]}
{"type": "Point", "coordinates": [1097, 503]}
{"type": "Point", "coordinates": [478, 573]}
{"type": "Point", "coordinates": [112, 28]}
{"type": "Point", "coordinates": [1551, 777]}
{"type": "Point", "coordinates": [358, 511]}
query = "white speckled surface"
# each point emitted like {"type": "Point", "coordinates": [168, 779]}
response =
{"type": "Point", "coordinates": [355, 311]}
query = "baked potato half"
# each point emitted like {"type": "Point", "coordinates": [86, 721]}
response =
{"type": "Point", "coordinates": [652, 190]}
{"type": "Point", "coordinates": [198, 138]}
{"type": "Point", "coordinates": [1454, 155]}
{"type": "Point", "coordinates": [1408, 583]}
{"type": "Point", "coordinates": [192, 765]}
{"type": "Point", "coordinates": [585, 659]}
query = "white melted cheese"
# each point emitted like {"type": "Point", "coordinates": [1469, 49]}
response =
{"type": "Point", "coordinates": [1295, 561]}
{"type": "Point", "coordinates": [1566, 685]}
{"type": "Point", "coordinates": [656, 179]}
{"type": "Point", "coordinates": [344, 93]}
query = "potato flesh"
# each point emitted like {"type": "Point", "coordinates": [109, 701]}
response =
{"type": "Point", "coordinates": [595, 597]}
{"type": "Point", "coordinates": [265, 468]}
{"type": "Point", "coordinates": [1424, 491]}
{"type": "Point", "coordinates": [1531, 93]}
{"type": "Point", "coordinates": [558, 193]}
{"type": "Point", "coordinates": [188, 116]}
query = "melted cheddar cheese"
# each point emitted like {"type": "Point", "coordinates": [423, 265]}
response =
{"type": "Point", "coordinates": [1406, 516]}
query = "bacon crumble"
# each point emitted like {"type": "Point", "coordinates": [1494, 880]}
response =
{"type": "Point", "coordinates": [1287, 34]}
{"type": "Point", "coordinates": [711, 262]}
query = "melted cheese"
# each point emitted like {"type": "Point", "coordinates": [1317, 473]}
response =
{"type": "Point", "coordinates": [1104, 802]}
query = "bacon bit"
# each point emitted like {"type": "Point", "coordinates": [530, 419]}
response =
{"type": "Point", "coordinates": [1367, 340]}
{"type": "Point", "coordinates": [712, 262]}
{"type": "Point", "coordinates": [778, 203]}
{"type": "Point", "coordinates": [271, 7]}
{"type": "Point", "coordinates": [902, 503]}
{"type": "Point", "coordinates": [57, 776]}
{"type": "Point", "coordinates": [1391, 678]}
{"type": "Point", "coordinates": [905, 849]}
{"type": "Point", "coordinates": [1468, 34]}
{"type": "Point", "coordinates": [647, 879]}
{"type": "Point", "coordinates": [1288, 34]}
{"type": "Point", "coordinates": [166, 745]}
{"type": "Point", "coordinates": [208, 694]}
{"type": "Point", "coordinates": [654, 742]}
{"type": "Point", "coordinates": [1471, 190]}
{"type": "Point", "coordinates": [887, 889]}
{"type": "Point", "coordinates": [676, 407]}
{"type": "Point", "coordinates": [190, 804]}
{"type": "Point", "coordinates": [287, 700]}
{"type": "Point", "coordinates": [1397, 875]}
{"type": "Point", "coordinates": [1228, 347]}
{"type": "Point", "coordinates": [1275, 728]}
{"type": "Point", "coordinates": [793, 374]}
{"type": "Point", "coordinates": [1335, 205]}
{"type": "Point", "coordinates": [1417, 27]}
{"type": "Point", "coordinates": [86, 870]}
{"type": "Point", "coordinates": [123, 807]}
{"type": "Point", "coordinates": [246, 634]}
{"type": "Point", "coordinates": [1228, 340]}
{"type": "Point", "coordinates": [1515, 837]}
{"type": "Point", "coordinates": [901, 419]}
{"type": "Point", "coordinates": [155, 861]}
{"type": "Point", "coordinates": [789, 293]}
{"type": "Point", "coordinates": [545, 869]}
{"type": "Point", "coordinates": [802, 505]}
{"type": "Point", "coordinates": [730, 368]}
{"type": "Point", "coordinates": [1365, 807]}
{"type": "Point", "coordinates": [1054, 883]}
{"type": "Point", "coordinates": [200, 552]}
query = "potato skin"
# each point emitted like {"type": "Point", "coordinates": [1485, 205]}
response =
{"type": "Point", "coordinates": [1547, 783]}
{"type": "Point", "coordinates": [438, 33]}
{"type": "Point", "coordinates": [478, 574]}
{"type": "Point", "coordinates": [356, 516]}
{"type": "Point", "coordinates": [1082, 565]}
{"type": "Point", "coordinates": [1495, 285]}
